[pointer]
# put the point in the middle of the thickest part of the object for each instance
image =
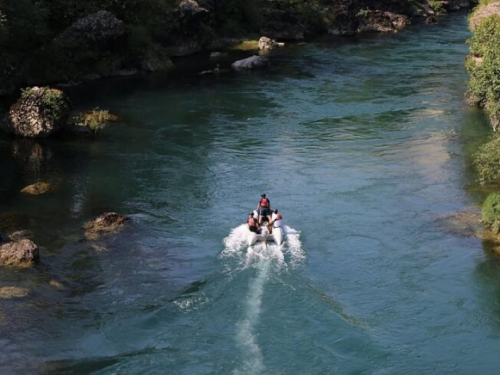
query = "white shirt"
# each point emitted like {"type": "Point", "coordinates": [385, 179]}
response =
{"type": "Point", "coordinates": [277, 223]}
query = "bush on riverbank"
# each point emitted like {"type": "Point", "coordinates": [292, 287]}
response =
{"type": "Point", "coordinates": [484, 67]}
{"type": "Point", "coordinates": [491, 212]}
{"type": "Point", "coordinates": [487, 160]}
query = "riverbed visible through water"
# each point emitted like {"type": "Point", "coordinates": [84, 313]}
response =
{"type": "Point", "coordinates": [364, 144]}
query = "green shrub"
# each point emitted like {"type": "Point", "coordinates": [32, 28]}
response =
{"type": "Point", "coordinates": [437, 6]}
{"type": "Point", "coordinates": [485, 77]}
{"type": "Point", "coordinates": [491, 212]}
{"type": "Point", "coordinates": [487, 161]}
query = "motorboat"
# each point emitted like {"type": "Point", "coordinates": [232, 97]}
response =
{"type": "Point", "coordinates": [277, 236]}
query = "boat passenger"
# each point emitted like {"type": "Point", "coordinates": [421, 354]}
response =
{"type": "Point", "coordinates": [276, 220]}
{"type": "Point", "coordinates": [253, 224]}
{"type": "Point", "coordinates": [264, 208]}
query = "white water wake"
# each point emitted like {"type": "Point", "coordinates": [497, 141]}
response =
{"type": "Point", "coordinates": [264, 257]}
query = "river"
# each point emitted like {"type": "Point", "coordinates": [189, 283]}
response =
{"type": "Point", "coordinates": [362, 143]}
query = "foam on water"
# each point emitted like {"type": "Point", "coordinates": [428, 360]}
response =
{"type": "Point", "coordinates": [265, 258]}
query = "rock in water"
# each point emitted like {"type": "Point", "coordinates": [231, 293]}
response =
{"type": "Point", "coordinates": [22, 253]}
{"type": "Point", "coordinates": [39, 112]}
{"type": "Point", "coordinates": [37, 189]}
{"type": "Point", "coordinates": [251, 63]}
{"type": "Point", "coordinates": [266, 43]}
{"type": "Point", "coordinates": [108, 222]}
{"type": "Point", "coordinates": [8, 292]}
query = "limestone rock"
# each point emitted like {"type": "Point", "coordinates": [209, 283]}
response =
{"type": "Point", "coordinates": [250, 63]}
{"type": "Point", "coordinates": [37, 189]}
{"type": "Point", "coordinates": [108, 222]}
{"type": "Point", "coordinates": [9, 292]}
{"type": "Point", "coordinates": [266, 43]}
{"type": "Point", "coordinates": [38, 113]}
{"type": "Point", "coordinates": [22, 253]}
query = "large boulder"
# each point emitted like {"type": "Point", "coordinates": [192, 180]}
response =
{"type": "Point", "coordinates": [108, 222]}
{"type": "Point", "coordinates": [156, 59]}
{"type": "Point", "coordinates": [39, 112]}
{"type": "Point", "coordinates": [189, 33]}
{"type": "Point", "coordinates": [23, 253]}
{"type": "Point", "coordinates": [250, 63]}
{"type": "Point", "coordinates": [379, 21]}
{"type": "Point", "coordinates": [98, 29]}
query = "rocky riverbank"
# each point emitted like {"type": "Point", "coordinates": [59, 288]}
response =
{"type": "Point", "coordinates": [67, 42]}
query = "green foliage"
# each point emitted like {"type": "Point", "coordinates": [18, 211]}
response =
{"type": "Point", "coordinates": [487, 161]}
{"type": "Point", "coordinates": [437, 6]}
{"type": "Point", "coordinates": [485, 77]}
{"type": "Point", "coordinates": [491, 212]}
{"type": "Point", "coordinates": [363, 13]}
{"type": "Point", "coordinates": [95, 120]}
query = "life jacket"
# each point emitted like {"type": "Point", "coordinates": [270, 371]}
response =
{"type": "Point", "coordinates": [252, 222]}
{"type": "Point", "coordinates": [264, 202]}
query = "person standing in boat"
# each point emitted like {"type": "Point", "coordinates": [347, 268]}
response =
{"type": "Point", "coordinates": [264, 208]}
{"type": "Point", "coordinates": [253, 224]}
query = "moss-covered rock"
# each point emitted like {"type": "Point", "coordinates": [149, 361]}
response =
{"type": "Point", "coordinates": [39, 112]}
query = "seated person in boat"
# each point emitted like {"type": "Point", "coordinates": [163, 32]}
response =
{"type": "Point", "coordinates": [264, 208]}
{"type": "Point", "coordinates": [276, 221]}
{"type": "Point", "coordinates": [253, 224]}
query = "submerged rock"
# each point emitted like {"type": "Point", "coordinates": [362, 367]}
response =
{"type": "Point", "coordinates": [38, 188]}
{"type": "Point", "coordinates": [463, 224]}
{"type": "Point", "coordinates": [20, 235]}
{"type": "Point", "coordinates": [23, 253]}
{"type": "Point", "coordinates": [108, 222]}
{"type": "Point", "coordinates": [9, 292]}
{"type": "Point", "coordinates": [39, 112]}
{"type": "Point", "coordinates": [250, 63]}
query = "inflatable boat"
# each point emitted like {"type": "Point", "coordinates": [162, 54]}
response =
{"type": "Point", "coordinates": [277, 236]}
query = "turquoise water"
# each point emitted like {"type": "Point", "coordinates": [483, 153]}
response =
{"type": "Point", "coordinates": [363, 144]}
